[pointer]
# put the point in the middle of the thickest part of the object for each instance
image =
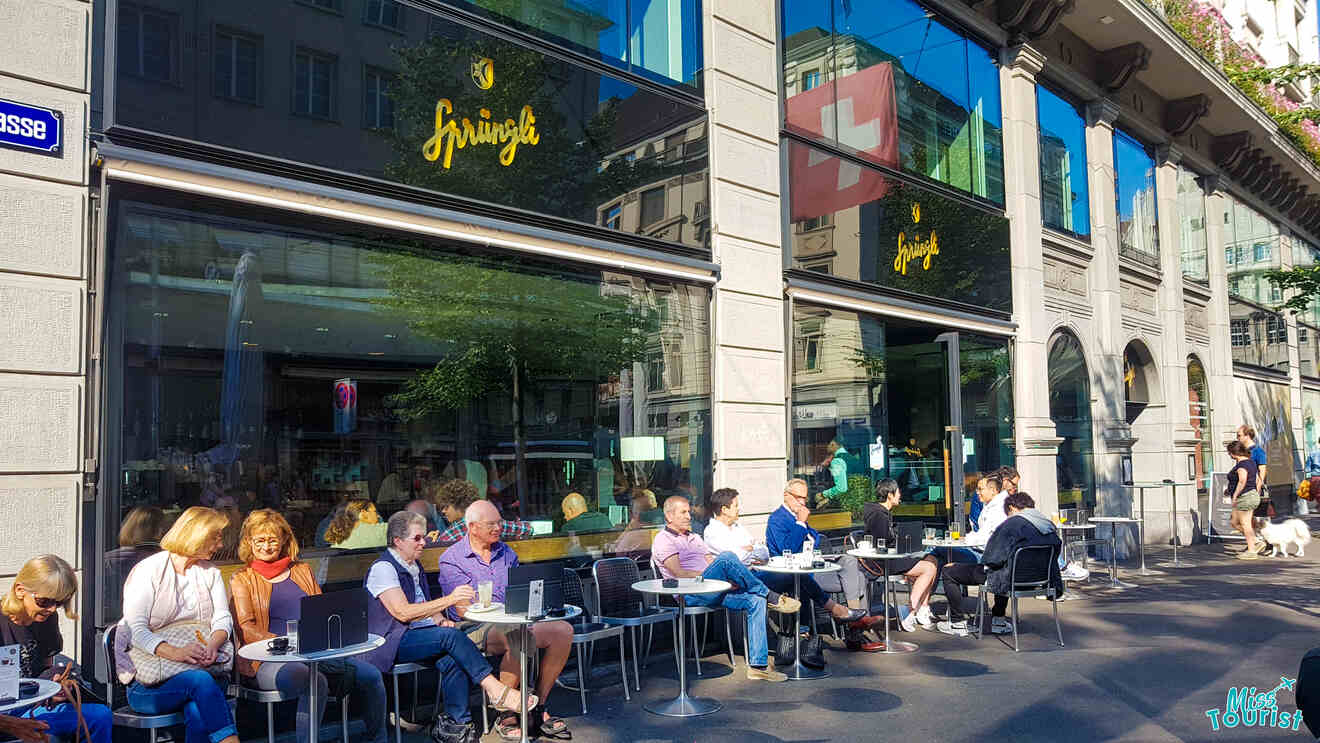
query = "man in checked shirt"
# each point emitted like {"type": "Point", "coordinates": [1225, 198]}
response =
{"type": "Point", "coordinates": [452, 498]}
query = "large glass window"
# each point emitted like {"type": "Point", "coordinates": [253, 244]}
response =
{"type": "Point", "coordinates": [856, 223]}
{"type": "Point", "coordinates": [848, 406]}
{"type": "Point", "coordinates": [1070, 409]}
{"type": "Point", "coordinates": [1257, 336]}
{"type": "Point", "coordinates": [1252, 246]}
{"type": "Point", "coordinates": [660, 39]}
{"type": "Point", "coordinates": [1064, 195]}
{"type": "Point", "coordinates": [260, 363]}
{"type": "Point", "coordinates": [891, 83]}
{"type": "Point", "coordinates": [452, 114]}
{"type": "Point", "coordinates": [1134, 187]}
{"type": "Point", "coordinates": [1192, 239]}
{"type": "Point", "coordinates": [1198, 413]}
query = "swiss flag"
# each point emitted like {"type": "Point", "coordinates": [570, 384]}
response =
{"type": "Point", "coordinates": [867, 119]}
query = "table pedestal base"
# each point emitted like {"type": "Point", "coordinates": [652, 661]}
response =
{"type": "Point", "coordinates": [897, 647]}
{"type": "Point", "coordinates": [684, 706]}
{"type": "Point", "coordinates": [799, 672]}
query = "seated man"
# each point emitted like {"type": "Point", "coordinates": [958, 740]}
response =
{"type": "Point", "coordinates": [787, 530]}
{"type": "Point", "coordinates": [453, 498]}
{"type": "Point", "coordinates": [725, 534]}
{"type": "Point", "coordinates": [681, 554]}
{"type": "Point", "coordinates": [920, 572]}
{"type": "Point", "coordinates": [481, 556]}
{"type": "Point", "coordinates": [989, 490]}
{"type": "Point", "coordinates": [415, 629]}
{"type": "Point", "coordinates": [577, 518]}
{"type": "Point", "coordinates": [1024, 527]}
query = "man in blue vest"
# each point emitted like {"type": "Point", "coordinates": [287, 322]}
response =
{"type": "Point", "coordinates": [415, 629]}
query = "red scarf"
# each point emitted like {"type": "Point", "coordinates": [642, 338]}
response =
{"type": "Point", "coordinates": [269, 570]}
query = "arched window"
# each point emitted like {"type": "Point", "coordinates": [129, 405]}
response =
{"type": "Point", "coordinates": [1140, 384]}
{"type": "Point", "coordinates": [1198, 413]}
{"type": "Point", "coordinates": [1070, 409]}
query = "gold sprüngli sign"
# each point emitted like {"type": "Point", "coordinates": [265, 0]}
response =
{"type": "Point", "coordinates": [915, 247]}
{"type": "Point", "coordinates": [451, 134]}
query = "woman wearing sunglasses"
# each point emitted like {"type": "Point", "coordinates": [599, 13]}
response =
{"type": "Point", "coordinates": [28, 620]}
{"type": "Point", "coordinates": [267, 595]}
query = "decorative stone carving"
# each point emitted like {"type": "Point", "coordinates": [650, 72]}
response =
{"type": "Point", "coordinates": [1138, 298]}
{"type": "Point", "coordinates": [1182, 114]}
{"type": "Point", "coordinates": [1116, 66]}
{"type": "Point", "coordinates": [1229, 149]}
{"type": "Point", "coordinates": [1065, 278]}
{"type": "Point", "coordinates": [1196, 318]}
{"type": "Point", "coordinates": [1031, 19]}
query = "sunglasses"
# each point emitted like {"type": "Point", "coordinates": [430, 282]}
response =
{"type": "Point", "coordinates": [418, 538]}
{"type": "Point", "coordinates": [46, 603]}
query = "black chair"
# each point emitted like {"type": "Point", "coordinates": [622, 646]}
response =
{"type": "Point", "coordinates": [1026, 580]}
{"type": "Point", "coordinates": [585, 634]}
{"type": "Point", "coordinates": [617, 604]}
{"type": "Point", "coordinates": [692, 612]}
{"type": "Point", "coordinates": [124, 716]}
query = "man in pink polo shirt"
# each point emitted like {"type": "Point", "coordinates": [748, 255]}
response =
{"type": "Point", "coordinates": [681, 554]}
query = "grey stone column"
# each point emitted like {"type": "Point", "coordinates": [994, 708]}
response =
{"type": "Point", "coordinates": [1037, 442]}
{"type": "Point", "coordinates": [1113, 437]}
{"type": "Point", "coordinates": [1219, 367]}
{"type": "Point", "coordinates": [43, 290]}
{"type": "Point", "coordinates": [750, 421]}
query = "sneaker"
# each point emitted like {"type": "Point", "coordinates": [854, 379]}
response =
{"type": "Point", "coordinates": [1075, 571]}
{"type": "Point", "coordinates": [924, 619]}
{"type": "Point", "coordinates": [765, 674]}
{"type": "Point", "coordinates": [1001, 626]}
{"type": "Point", "coordinates": [957, 628]}
{"type": "Point", "coordinates": [907, 619]}
{"type": "Point", "coordinates": [787, 605]}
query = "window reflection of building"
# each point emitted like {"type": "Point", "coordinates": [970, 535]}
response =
{"type": "Point", "coordinates": [1063, 176]}
{"type": "Point", "coordinates": [1070, 409]}
{"type": "Point", "coordinates": [1134, 176]}
{"type": "Point", "coordinates": [1198, 413]}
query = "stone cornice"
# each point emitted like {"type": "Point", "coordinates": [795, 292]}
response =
{"type": "Point", "coordinates": [1102, 112]}
{"type": "Point", "coordinates": [1024, 57]}
{"type": "Point", "coordinates": [1168, 154]}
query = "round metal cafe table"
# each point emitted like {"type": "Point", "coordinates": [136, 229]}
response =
{"type": "Point", "coordinates": [799, 672]}
{"type": "Point", "coordinates": [683, 705]}
{"type": "Point", "coordinates": [896, 646]}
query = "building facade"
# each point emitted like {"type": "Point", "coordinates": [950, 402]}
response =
{"type": "Point", "coordinates": [351, 249]}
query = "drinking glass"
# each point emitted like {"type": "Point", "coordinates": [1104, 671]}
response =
{"type": "Point", "coordinates": [879, 545]}
{"type": "Point", "coordinates": [484, 590]}
{"type": "Point", "coordinates": [291, 630]}
{"type": "Point", "coordinates": [955, 534]}
{"type": "Point", "coordinates": [930, 534]}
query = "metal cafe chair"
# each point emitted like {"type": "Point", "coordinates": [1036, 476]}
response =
{"type": "Point", "coordinates": [1029, 587]}
{"type": "Point", "coordinates": [617, 604]}
{"type": "Point", "coordinates": [124, 716]}
{"type": "Point", "coordinates": [585, 634]}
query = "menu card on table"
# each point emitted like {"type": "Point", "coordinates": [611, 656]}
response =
{"type": "Point", "coordinates": [9, 672]}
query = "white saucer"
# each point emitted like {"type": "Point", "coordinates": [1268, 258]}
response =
{"type": "Point", "coordinates": [494, 607]}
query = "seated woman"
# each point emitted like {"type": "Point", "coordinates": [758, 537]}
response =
{"type": "Point", "coordinates": [920, 572]}
{"type": "Point", "coordinates": [268, 594]}
{"type": "Point", "coordinates": [178, 584]}
{"type": "Point", "coordinates": [358, 527]}
{"type": "Point", "coordinates": [43, 585]}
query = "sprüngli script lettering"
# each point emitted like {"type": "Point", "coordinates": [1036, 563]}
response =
{"type": "Point", "coordinates": [914, 248]}
{"type": "Point", "coordinates": [451, 134]}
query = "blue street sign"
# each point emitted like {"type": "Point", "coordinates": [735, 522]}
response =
{"type": "Point", "coordinates": [32, 128]}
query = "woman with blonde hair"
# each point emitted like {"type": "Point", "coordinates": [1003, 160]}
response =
{"type": "Point", "coordinates": [139, 538]}
{"type": "Point", "coordinates": [358, 527]}
{"type": "Point", "coordinates": [267, 595]}
{"type": "Point", "coordinates": [179, 584]}
{"type": "Point", "coordinates": [28, 620]}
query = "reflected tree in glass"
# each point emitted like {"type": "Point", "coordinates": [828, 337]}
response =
{"type": "Point", "coordinates": [506, 330]}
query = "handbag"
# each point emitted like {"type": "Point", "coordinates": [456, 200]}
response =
{"type": "Point", "coordinates": [151, 669]}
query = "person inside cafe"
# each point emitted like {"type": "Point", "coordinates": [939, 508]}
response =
{"type": "Point", "coordinates": [416, 629]}
{"type": "Point", "coordinates": [1023, 527]}
{"type": "Point", "coordinates": [268, 594]}
{"type": "Point", "coordinates": [482, 556]}
{"type": "Point", "coordinates": [28, 619]}
{"type": "Point", "coordinates": [787, 529]}
{"type": "Point", "coordinates": [635, 541]}
{"type": "Point", "coordinates": [423, 508]}
{"type": "Point", "coordinates": [920, 572]}
{"type": "Point", "coordinates": [180, 584]}
{"type": "Point", "coordinates": [679, 553]}
{"type": "Point", "coordinates": [454, 497]}
{"type": "Point", "coordinates": [840, 463]}
{"type": "Point", "coordinates": [358, 527]}
{"type": "Point", "coordinates": [577, 518]}
{"type": "Point", "coordinates": [139, 538]}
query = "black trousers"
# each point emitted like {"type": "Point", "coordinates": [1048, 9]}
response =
{"type": "Point", "coordinates": [957, 577]}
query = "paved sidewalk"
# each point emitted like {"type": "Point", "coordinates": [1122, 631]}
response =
{"type": "Point", "coordinates": [1142, 664]}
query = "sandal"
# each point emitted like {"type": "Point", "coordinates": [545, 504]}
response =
{"type": "Point", "coordinates": [509, 728]}
{"type": "Point", "coordinates": [501, 704]}
{"type": "Point", "coordinates": [550, 726]}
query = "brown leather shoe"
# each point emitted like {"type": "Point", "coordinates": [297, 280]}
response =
{"type": "Point", "coordinates": [864, 623]}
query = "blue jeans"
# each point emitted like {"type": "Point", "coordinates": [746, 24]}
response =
{"type": "Point", "coordinates": [205, 711]}
{"type": "Point", "coordinates": [461, 664]}
{"type": "Point", "coordinates": [748, 595]}
{"type": "Point", "coordinates": [63, 720]}
{"type": "Point", "coordinates": [291, 679]}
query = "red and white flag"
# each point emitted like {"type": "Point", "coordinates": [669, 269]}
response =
{"type": "Point", "coordinates": [862, 106]}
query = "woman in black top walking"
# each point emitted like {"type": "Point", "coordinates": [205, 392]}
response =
{"type": "Point", "coordinates": [1242, 490]}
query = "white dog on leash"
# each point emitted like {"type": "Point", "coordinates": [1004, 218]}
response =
{"type": "Point", "coordinates": [1291, 531]}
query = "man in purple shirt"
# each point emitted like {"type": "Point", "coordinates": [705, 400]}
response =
{"type": "Point", "coordinates": [481, 556]}
{"type": "Point", "coordinates": [679, 553]}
